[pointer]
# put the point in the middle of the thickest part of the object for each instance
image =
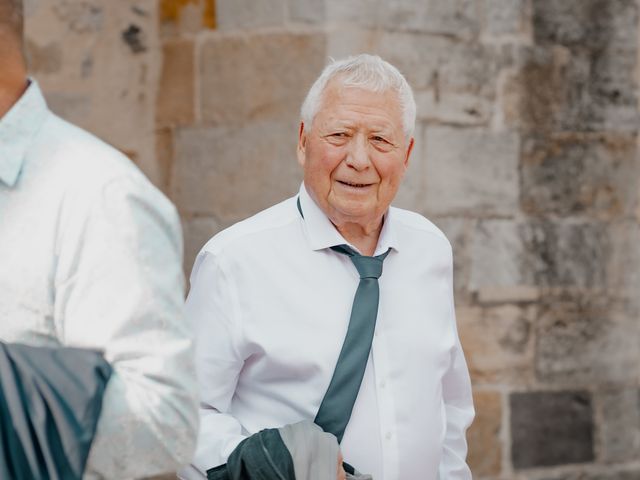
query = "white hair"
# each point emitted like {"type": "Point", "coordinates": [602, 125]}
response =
{"type": "Point", "coordinates": [364, 71]}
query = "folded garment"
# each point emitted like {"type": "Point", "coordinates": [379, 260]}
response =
{"type": "Point", "coordinates": [301, 451]}
{"type": "Point", "coordinates": [50, 402]}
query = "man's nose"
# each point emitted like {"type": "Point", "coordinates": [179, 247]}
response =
{"type": "Point", "coordinates": [358, 153]}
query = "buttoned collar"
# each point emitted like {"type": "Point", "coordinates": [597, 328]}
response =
{"type": "Point", "coordinates": [322, 234]}
{"type": "Point", "coordinates": [17, 128]}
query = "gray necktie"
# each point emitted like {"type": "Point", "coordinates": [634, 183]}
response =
{"type": "Point", "coordinates": [337, 404]}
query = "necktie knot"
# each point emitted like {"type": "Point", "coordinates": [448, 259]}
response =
{"type": "Point", "coordinates": [368, 267]}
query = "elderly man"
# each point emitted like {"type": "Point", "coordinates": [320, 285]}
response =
{"type": "Point", "coordinates": [91, 258]}
{"type": "Point", "coordinates": [296, 321]}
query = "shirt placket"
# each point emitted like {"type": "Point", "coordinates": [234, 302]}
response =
{"type": "Point", "coordinates": [386, 406]}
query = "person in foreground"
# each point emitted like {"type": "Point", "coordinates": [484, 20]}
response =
{"type": "Point", "coordinates": [91, 261]}
{"type": "Point", "coordinates": [333, 307]}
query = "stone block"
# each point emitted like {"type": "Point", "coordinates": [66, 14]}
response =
{"type": "Point", "coordinates": [233, 14]}
{"type": "Point", "coordinates": [497, 255]}
{"type": "Point", "coordinates": [563, 254]}
{"type": "Point", "coordinates": [498, 342]}
{"type": "Point", "coordinates": [540, 254]}
{"type": "Point", "coordinates": [623, 267]}
{"type": "Point", "coordinates": [471, 171]}
{"type": "Point", "coordinates": [176, 94]}
{"type": "Point", "coordinates": [453, 108]}
{"type": "Point", "coordinates": [459, 19]}
{"type": "Point", "coordinates": [308, 11]}
{"type": "Point", "coordinates": [585, 338]}
{"type": "Point", "coordinates": [230, 173]}
{"type": "Point", "coordinates": [620, 424]}
{"type": "Point", "coordinates": [600, 90]}
{"type": "Point", "coordinates": [505, 18]}
{"type": "Point", "coordinates": [590, 24]}
{"type": "Point", "coordinates": [247, 77]}
{"type": "Point", "coordinates": [580, 175]}
{"type": "Point", "coordinates": [485, 447]}
{"type": "Point", "coordinates": [551, 428]}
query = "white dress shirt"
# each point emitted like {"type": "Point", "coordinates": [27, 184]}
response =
{"type": "Point", "coordinates": [90, 256]}
{"type": "Point", "coordinates": [270, 303]}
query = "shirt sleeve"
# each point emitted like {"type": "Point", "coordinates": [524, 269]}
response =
{"type": "Point", "coordinates": [212, 310]}
{"type": "Point", "coordinates": [459, 411]}
{"type": "Point", "coordinates": [119, 289]}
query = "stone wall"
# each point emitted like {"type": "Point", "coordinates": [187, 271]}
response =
{"type": "Point", "coordinates": [526, 156]}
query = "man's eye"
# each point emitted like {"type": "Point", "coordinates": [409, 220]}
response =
{"type": "Point", "coordinates": [378, 138]}
{"type": "Point", "coordinates": [339, 134]}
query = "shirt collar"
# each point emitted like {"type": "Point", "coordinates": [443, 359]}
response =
{"type": "Point", "coordinates": [322, 234]}
{"type": "Point", "coordinates": [17, 128]}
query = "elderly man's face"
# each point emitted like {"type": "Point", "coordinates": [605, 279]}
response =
{"type": "Point", "coordinates": [355, 154]}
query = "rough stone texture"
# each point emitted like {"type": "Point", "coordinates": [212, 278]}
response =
{"type": "Point", "coordinates": [176, 95]}
{"type": "Point", "coordinates": [471, 172]}
{"type": "Point", "coordinates": [249, 77]}
{"type": "Point", "coordinates": [233, 14]}
{"type": "Point", "coordinates": [497, 255]}
{"type": "Point", "coordinates": [499, 343]}
{"type": "Point", "coordinates": [505, 18]}
{"type": "Point", "coordinates": [600, 91]}
{"type": "Point", "coordinates": [485, 449]}
{"type": "Point", "coordinates": [551, 428]}
{"type": "Point", "coordinates": [236, 178]}
{"type": "Point", "coordinates": [620, 428]}
{"type": "Point", "coordinates": [586, 338]}
{"type": "Point", "coordinates": [580, 175]}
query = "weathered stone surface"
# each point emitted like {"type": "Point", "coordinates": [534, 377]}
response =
{"type": "Point", "coordinates": [551, 428]}
{"type": "Point", "coordinates": [247, 77]}
{"type": "Point", "coordinates": [176, 95]}
{"type": "Point", "coordinates": [623, 267]}
{"type": "Point", "coordinates": [575, 174]}
{"type": "Point", "coordinates": [453, 108]}
{"type": "Point", "coordinates": [585, 338]}
{"type": "Point", "coordinates": [506, 253]}
{"type": "Point", "coordinates": [197, 231]}
{"type": "Point", "coordinates": [471, 172]}
{"type": "Point", "coordinates": [620, 427]}
{"type": "Point", "coordinates": [497, 255]}
{"type": "Point", "coordinates": [498, 343]}
{"type": "Point", "coordinates": [218, 173]}
{"type": "Point", "coordinates": [505, 17]}
{"type": "Point", "coordinates": [600, 92]}
{"type": "Point", "coordinates": [485, 448]}
{"type": "Point", "coordinates": [309, 11]}
{"type": "Point", "coordinates": [250, 14]}
{"type": "Point", "coordinates": [514, 294]}
{"type": "Point", "coordinates": [458, 18]}
{"type": "Point", "coordinates": [566, 254]}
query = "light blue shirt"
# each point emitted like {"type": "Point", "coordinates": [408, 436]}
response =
{"type": "Point", "coordinates": [91, 258]}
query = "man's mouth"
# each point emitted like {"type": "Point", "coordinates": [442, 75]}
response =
{"type": "Point", "coordinates": [355, 185]}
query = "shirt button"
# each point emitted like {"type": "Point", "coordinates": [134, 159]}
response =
{"type": "Point", "coordinates": [383, 384]}
{"type": "Point", "coordinates": [388, 435]}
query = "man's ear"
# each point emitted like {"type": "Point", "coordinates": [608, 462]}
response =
{"type": "Point", "coordinates": [301, 150]}
{"type": "Point", "coordinates": [409, 150]}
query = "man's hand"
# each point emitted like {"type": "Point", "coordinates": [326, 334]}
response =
{"type": "Point", "coordinates": [342, 475]}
